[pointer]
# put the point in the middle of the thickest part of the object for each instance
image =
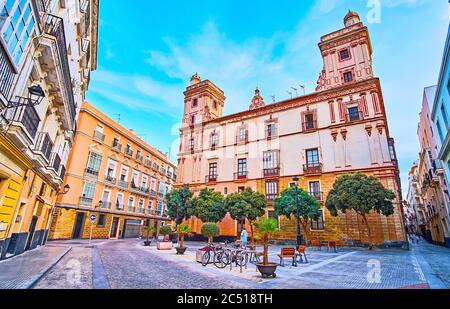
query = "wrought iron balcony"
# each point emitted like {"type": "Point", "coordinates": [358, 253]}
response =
{"type": "Point", "coordinates": [119, 206]}
{"type": "Point", "coordinates": [123, 184]}
{"type": "Point", "coordinates": [44, 145]}
{"type": "Point", "coordinates": [309, 126]}
{"type": "Point", "coordinates": [141, 210]}
{"type": "Point", "coordinates": [7, 74]}
{"type": "Point", "coordinates": [313, 168]}
{"type": "Point", "coordinates": [155, 167]}
{"type": "Point", "coordinates": [86, 201]}
{"type": "Point", "coordinates": [271, 133]}
{"type": "Point", "coordinates": [211, 178]}
{"type": "Point", "coordinates": [147, 163]}
{"type": "Point", "coordinates": [241, 175]}
{"type": "Point", "coordinates": [110, 180]}
{"type": "Point", "coordinates": [54, 26]}
{"type": "Point", "coordinates": [144, 189]}
{"type": "Point", "coordinates": [116, 146]}
{"type": "Point", "coordinates": [271, 197]}
{"type": "Point", "coordinates": [139, 158]}
{"type": "Point", "coordinates": [271, 172]}
{"type": "Point", "coordinates": [131, 208]}
{"type": "Point", "coordinates": [242, 139]}
{"type": "Point", "coordinates": [99, 136]}
{"type": "Point", "coordinates": [105, 205]}
{"type": "Point", "coordinates": [128, 152]}
{"type": "Point", "coordinates": [152, 193]}
{"type": "Point", "coordinates": [91, 171]}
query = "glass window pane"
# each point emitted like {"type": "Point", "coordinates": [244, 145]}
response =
{"type": "Point", "coordinates": [9, 5]}
{"type": "Point", "coordinates": [26, 13]}
{"type": "Point", "coordinates": [8, 33]}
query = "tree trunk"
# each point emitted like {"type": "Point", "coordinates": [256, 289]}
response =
{"type": "Point", "coordinates": [304, 227]}
{"type": "Point", "coordinates": [368, 231]}
{"type": "Point", "coordinates": [181, 241]}
{"type": "Point", "coordinates": [266, 250]}
{"type": "Point", "coordinates": [209, 240]}
{"type": "Point", "coordinates": [251, 231]}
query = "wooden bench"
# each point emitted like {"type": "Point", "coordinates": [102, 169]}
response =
{"type": "Point", "coordinates": [288, 252]}
{"type": "Point", "coordinates": [301, 252]}
{"type": "Point", "coordinates": [316, 244]}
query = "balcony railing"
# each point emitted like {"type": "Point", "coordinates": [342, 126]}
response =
{"type": "Point", "coordinates": [317, 195]}
{"type": "Point", "coordinates": [356, 116]}
{"type": "Point", "coordinates": [309, 125]}
{"type": "Point", "coordinates": [271, 172]}
{"type": "Point", "coordinates": [110, 179]}
{"type": "Point", "coordinates": [116, 146]}
{"type": "Point", "coordinates": [55, 161]}
{"type": "Point", "coordinates": [54, 26]}
{"type": "Point", "coordinates": [240, 175]}
{"type": "Point", "coordinates": [242, 139]}
{"type": "Point", "coordinates": [119, 206]}
{"type": "Point", "coordinates": [123, 184]}
{"type": "Point", "coordinates": [147, 163]}
{"type": "Point", "coordinates": [141, 210]}
{"type": "Point", "coordinates": [313, 168]}
{"type": "Point", "coordinates": [211, 178]}
{"type": "Point", "coordinates": [44, 145]}
{"type": "Point", "coordinates": [129, 152]}
{"type": "Point", "coordinates": [105, 205]}
{"type": "Point", "coordinates": [27, 116]}
{"type": "Point", "coordinates": [144, 189]}
{"type": "Point", "coordinates": [131, 208]}
{"type": "Point", "coordinates": [99, 136]}
{"type": "Point", "coordinates": [139, 158]}
{"type": "Point", "coordinates": [155, 167]}
{"type": "Point", "coordinates": [91, 171]}
{"type": "Point", "coordinates": [7, 74]}
{"type": "Point", "coordinates": [86, 201]}
{"type": "Point", "coordinates": [271, 197]}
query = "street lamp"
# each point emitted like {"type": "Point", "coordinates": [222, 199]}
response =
{"type": "Point", "coordinates": [35, 96]}
{"type": "Point", "coordinates": [300, 240]}
{"type": "Point", "coordinates": [65, 191]}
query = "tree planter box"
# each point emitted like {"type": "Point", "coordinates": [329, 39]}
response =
{"type": "Point", "coordinates": [164, 245]}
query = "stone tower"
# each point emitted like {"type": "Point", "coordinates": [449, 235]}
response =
{"type": "Point", "coordinates": [203, 101]}
{"type": "Point", "coordinates": [346, 53]}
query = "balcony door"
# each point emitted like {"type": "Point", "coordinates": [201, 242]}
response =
{"type": "Point", "coordinates": [312, 158]}
{"type": "Point", "coordinates": [242, 169]}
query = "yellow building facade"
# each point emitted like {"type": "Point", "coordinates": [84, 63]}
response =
{"type": "Point", "coordinates": [115, 176]}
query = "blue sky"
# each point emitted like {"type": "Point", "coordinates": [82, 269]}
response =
{"type": "Point", "coordinates": [147, 54]}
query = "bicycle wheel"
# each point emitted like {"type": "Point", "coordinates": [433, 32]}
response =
{"type": "Point", "coordinates": [240, 259]}
{"type": "Point", "coordinates": [221, 259]}
{"type": "Point", "coordinates": [205, 258]}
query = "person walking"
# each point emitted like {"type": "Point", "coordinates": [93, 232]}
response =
{"type": "Point", "coordinates": [244, 237]}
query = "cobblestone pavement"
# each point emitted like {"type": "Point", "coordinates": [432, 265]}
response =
{"type": "Point", "coordinates": [128, 264]}
{"type": "Point", "coordinates": [24, 270]}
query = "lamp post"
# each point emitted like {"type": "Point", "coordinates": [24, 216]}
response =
{"type": "Point", "coordinates": [300, 240]}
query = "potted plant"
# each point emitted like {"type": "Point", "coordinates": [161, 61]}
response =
{"type": "Point", "coordinates": [266, 229]}
{"type": "Point", "coordinates": [182, 231]}
{"type": "Point", "coordinates": [209, 230]}
{"type": "Point", "coordinates": [149, 229]}
{"type": "Point", "coordinates": [165, 244]}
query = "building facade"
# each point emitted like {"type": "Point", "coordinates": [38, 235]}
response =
{"type": "Point", "coordinates": [341, 128]}
{"type": "Point", "coordinates": [413, 205]}
{"type": "Point", "coordinates": [440, 113]}
{"type": "Point", "coordinates": [115, 176]}
{"type": "Point", "coordinates": [47, 50]}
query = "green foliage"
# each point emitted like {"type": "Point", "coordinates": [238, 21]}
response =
{"type": "Point", "coordinates": [267, 227]}
{"type": "Point", "coordinates": [183, 230]}
{"type": "Point", "coordinates": [360, 193]}
{"type": "Point", "coordinates": [246, 204]}
{"type": "Point", "coordinates": [165, 230]}
{"type": "Point", "coordinates": [286, 205]}
{"type": "Point", "coordinates": [149, 229]}
{"type": "Point", "coordinates": [208, 206]}
{"type": "Point", "coordinates": [178, 203]}
{"type": "Point", "coordinates": [210, 230]}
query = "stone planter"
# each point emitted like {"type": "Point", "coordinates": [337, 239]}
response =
{"type": "Point", "coordinates": [181, 250]}
{"type": "Point", "coordinates": [164, 245]}
{"type": "Point", "coordinates": [267, 270]}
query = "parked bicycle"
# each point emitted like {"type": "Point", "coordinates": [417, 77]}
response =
{"type": "Point", "coordinates": [215, 254]}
